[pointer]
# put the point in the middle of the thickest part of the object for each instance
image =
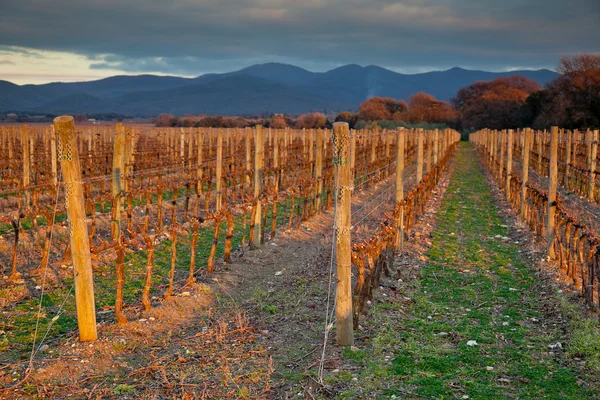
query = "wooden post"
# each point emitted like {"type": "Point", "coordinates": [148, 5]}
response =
{"type": "Point", "coordinates": [319, 169]}
{"type": "Point", "coordinates": [526, 145]}
{"type": "Point", "coordinates": [53, 156]}
{"type": "Point", "coordinates": [399, 243]}
{"type": "Point", "coordinates": [219, 169]}
{"type": "Point", "coordinates": [429, 145]}
{"type": "Point", "coordinates": [80, 246]}
{"type": "Point", "coordinates": [248, 148]}
{"type": "Point", "coordinates": [592, 164]}
{"type": "Point", "coordinates": [26, 164]}
{"type": "Point", "coordinates": [352, 152]}
{"type": "Point", "coordinates": [258, 174]}
{"type": "Point", "coordinates": [553, 182]}
{"type": "Point", "coordinates": [118, 172]}
{"type": "Point", "coordinates": [501, 135]}
{"type": "Point", "coordinates": [509, 155]}
{"type": "Point", "coordinates": [436, 146]}
{"type": "Point", "coordinates": [568, 159]}
{"type": "Point", "coordinates": [341, 143]}
{"type": "Point", "coordinates": [199, 161]}
{"type": "Point", "coordinates": [419, 155]}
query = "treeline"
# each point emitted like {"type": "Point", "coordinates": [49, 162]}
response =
{"type": "Point", "coordinates": [572, 100]}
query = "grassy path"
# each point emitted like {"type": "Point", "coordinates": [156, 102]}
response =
{"type": "Point", "coordinates": [476, 288]}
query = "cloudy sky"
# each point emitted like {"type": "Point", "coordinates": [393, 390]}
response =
{"type": "Point", "coordinates": [70, 40]}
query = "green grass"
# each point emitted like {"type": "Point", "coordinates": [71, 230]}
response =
{"type": "Point", "coordinates": [474, 287]}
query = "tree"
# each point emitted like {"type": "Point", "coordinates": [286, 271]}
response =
{"type": "Point", "coordinates": [278, 122]}
{"type": "Point", "coordinates": [494, 104]}
{"type": "Point", "coordinates": [346, 116]}
{"type": "Point", "coordinates": [423, 107]}
{"type": "Point", "coordinates": [164, 120]}
{"type": "Point", "coordinates": [311, 121]}
{"type": "Point", "coordinates": [580, 83]}
{"type": "Point", "coordinates": [380, 108]}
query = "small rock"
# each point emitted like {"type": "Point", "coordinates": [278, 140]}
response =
{"type": "Point", "coordinates": [442, 334]}
{"type": "Point", "coordinates": [513, 289]}
{"type": "Point", "coordinates": [44, 348]}
{"type": "Point", "coordinates": [335, 371]}
{"type": "Point", "coordinates": [185, 294]}
{"type": "Point", "coordinates": [142, 320]}
{"type": "Point", "coordinates": [264, 332]}
{"type": "Point", "coordinates": [505, 323]}
{"type": "Point", "coordinates": [556, 346]}
{"type": "Point", "coordinates": [354, 348]}
{"type": "Point", "coordinates": [489, 368]}
{"type": "Point", "coordinates": [472, 343]}
{"type": "Point", "coordinates": [151, 319]}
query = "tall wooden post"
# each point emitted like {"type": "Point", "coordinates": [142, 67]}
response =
{"type": "Point", "coordinates": [80, 246]}
{"type": "Point", "coordinates": [436, 146]}
{"type": "Point", "coordinates": [501, 135]}
{"type": "Point", "coordinates": [248, 148]}
{"type": "Point", "coordinates": [592, 164]}
{"type": "Point", "coordinates": [341, 153]}
{"type": "Point", "coordinates": [399, 242]}
{"type": "Point", "coordinates": [118, 171]}
{"type": "Point", "coordinates": [526, 145]}
{"type": "Point", "coordinates": [26, 164]}
{"type": "Point", "coordinates": [219, 171]}
{"type": "Point", "coordinates": [258, 175]}
{"type": "Point", "coordinates": [419, 155]}
{"type": "Point", "coordinates": [199, 162]}
{"type": "Point", "coordinates": [53, 160]}
{"type": "Point", "coordinates": [319, 169]}
{"type": "Point", "coordinates": [568, 158]}
{"type": "Point", "coordinates": [552, 185]}
{"type": "Point", "coordinates": [509, 155]}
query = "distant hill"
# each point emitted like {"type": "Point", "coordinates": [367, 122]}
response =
{"type": "Point", "coordinates": [263, 88]}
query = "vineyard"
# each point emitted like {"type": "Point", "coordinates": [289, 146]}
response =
{"type": "Point", "coordinates": [102, 224]}
{"type": "Point", "coordinates": [551, 180]}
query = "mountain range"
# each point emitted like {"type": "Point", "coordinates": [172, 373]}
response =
{"type": "Point", "coordinates": [259, 89]}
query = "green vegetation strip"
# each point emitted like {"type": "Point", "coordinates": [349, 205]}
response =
{"type": "Point", "coordinates": [476, 328]}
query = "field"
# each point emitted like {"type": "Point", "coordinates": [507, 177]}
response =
{"type": "Point", "coordinates": [264, 263]}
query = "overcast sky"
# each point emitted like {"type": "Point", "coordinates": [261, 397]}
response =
{"type": "Point", "coordinates": [68, 40]}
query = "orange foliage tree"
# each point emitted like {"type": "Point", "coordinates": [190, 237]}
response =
{"type": "Point", "coordinates": [423, 107]}
{"type": "Point", "coordinates": [312, 120]}
{"type": "Point", "coordinates": [494, 104]}
{"type": "Point", "coordinates": [381, 108]}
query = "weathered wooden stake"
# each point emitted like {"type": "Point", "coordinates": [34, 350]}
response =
{"type": "Point", "coordinates": [553, 177]}
{"type": "Point", "coordinates": [219, 171]}
{"type": "Point", "coordinates": [419, 155]}
{"type": "Point", "coordinates": [341, 143]}
{"type": "Point", "coordinates": [118, 171]}
{"type": "Point", "coordinates": [79, 239]}
{"type": "Point", "coordinates": [399, 243]}
{"type": "Point", "coordinates": [257, 239]}
{"type": "Point", "coordinates": [526, 146]}
{"type": "Point", "coordinates": [509, 155]}
{"type": "Point", "coordinates": [592, 167]}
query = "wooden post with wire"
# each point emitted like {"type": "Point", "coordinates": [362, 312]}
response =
{"type": "Point", "coordinates": [80, 246]}
{"type": "Point", "coordinates": [552, 185]}
{"type": "Point", "coordinates": [399, 242]}
{"type": "Point", "coordinates": [199, 161]}
{"type": "Point", "coordinates": [526, 146]}
{"type": "Point", "coordinates": [118, 172]}
{"type": "Point", "coordinates": [419, 155]}
{"type": "Point", "coordinates": [509, 155]}
{"type": "Point", "coordinates": [258, 175]}
{"type": "Point", "coordinates": [318, 176]}
{"type": "Point", "coordinates": [592, 164]}
{"type": "Point", "coordinates": [53, 161]}
{"type": "Point", "coordinates": [26, 165]}
{"type": "Point", "coordinates": [219, 171]}
{"type": "Point", "coordinates": [341, 158]}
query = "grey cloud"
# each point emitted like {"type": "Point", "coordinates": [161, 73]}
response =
{"type": "Point", "coordinates": [191, 37]}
